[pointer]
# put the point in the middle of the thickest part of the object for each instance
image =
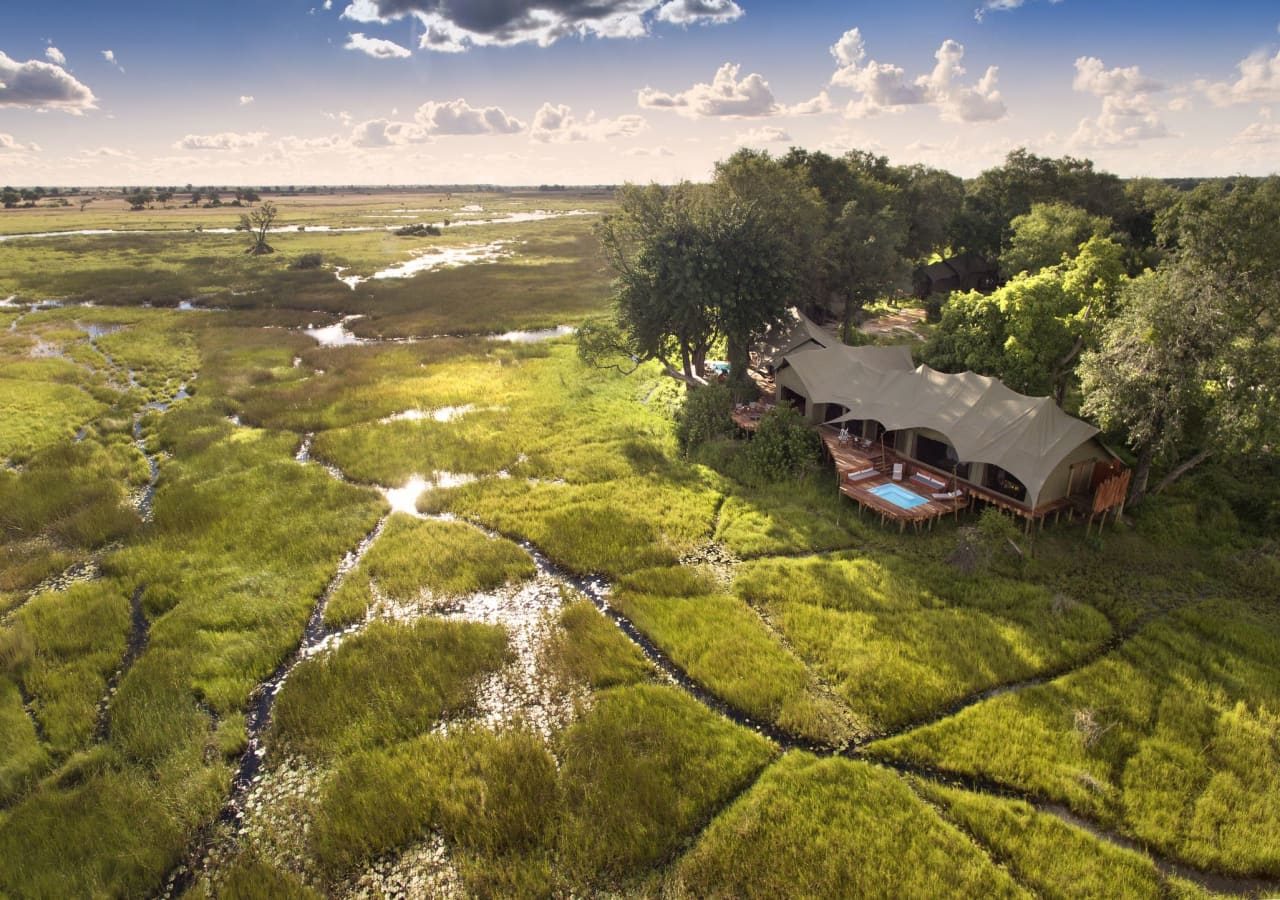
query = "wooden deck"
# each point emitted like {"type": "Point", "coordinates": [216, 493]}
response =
{"type": "Point", "coordinates": [852, 456]}
{"type": "Point", "coordinates": [747, 416]}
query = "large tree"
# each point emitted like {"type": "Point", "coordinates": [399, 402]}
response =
{"type": "Point", "coordinates": [657, 243]}
{"type": "Point", "coordinates": [1190, 369]}
{"type": "Point", "coordinates": [1048, 232]}
{"type": "Point", "coordinates": [1031, 331]}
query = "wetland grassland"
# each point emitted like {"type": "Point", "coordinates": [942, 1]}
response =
{"type": "Point", "coordinates": [570, 661]}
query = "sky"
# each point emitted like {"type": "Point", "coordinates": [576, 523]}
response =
{"type": "Point", "coordinates": [263, 92]}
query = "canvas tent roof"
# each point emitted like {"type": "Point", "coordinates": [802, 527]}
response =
{"type": "Point", "coordinates": [984, 420]}
{"type": "Point", "coordinates": [800, 333]}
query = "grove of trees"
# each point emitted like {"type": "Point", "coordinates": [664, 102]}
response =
{"type": "Point", "coordinates": [1150, 307]}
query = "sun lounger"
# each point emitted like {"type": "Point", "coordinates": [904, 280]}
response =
{"type": "Point", "coordinates": [949, 495]}
{"type": "Point", "coordinates": [929, 481]}
{"type": "Point", "coordinates": [863, 474]}
{"type": "Point", "coordinates": [897, 471]}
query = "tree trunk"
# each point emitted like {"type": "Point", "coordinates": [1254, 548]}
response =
{"type": "Point", "coordinates": [1141, 475]}
{"type": "Point", "coordinates": [1182, 469]}
{"type": "Point", "coordinates": [846, 325]}
{"type": "Point", "coordinates": [739, 359]}
{"type": "Point", "coordinates": [684, 359]}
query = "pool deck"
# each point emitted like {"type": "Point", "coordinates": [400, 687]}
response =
{"type": "Point", "coordinates": [850, 456]}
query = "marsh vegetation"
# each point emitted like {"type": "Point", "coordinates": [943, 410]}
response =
{"type": "Point", "coordinates": [498, 690]}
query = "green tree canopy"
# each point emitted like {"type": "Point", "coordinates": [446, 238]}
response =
{"type": "Point", "coordinates": [1046, 234]}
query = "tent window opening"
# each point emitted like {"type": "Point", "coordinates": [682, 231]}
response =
{"type": "Point", "coordinates": [794, 400]}
{"type": "Point", "coordinates": [1000, 481]}
{"type": "Point", "coordinates": [835, 411]}
{"type": "Point", "coordinates": [940, 455]}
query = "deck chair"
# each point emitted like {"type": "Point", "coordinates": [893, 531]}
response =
{"type": "Point", "coordinates": [843, 436]}
{"type": "Point", "coordinates": [897, 471]}
{"type": "Point", "coordinates": [869, 472]}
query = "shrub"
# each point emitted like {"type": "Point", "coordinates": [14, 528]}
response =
{"type": "Point", "coordinates": [309, 261]}
{"type": "Point", "coordinates": [783, 446]}
{"type": "Point", "coordinates": [704, 416]}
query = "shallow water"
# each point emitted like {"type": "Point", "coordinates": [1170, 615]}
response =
{"type": "Point", "coordinates": [535, 336]}
{"type": "Point", "coordinates": [335, 335]}
{"type": "Point", "coordinates": [442, 414]}
{"type": "Point", "coordinates": [431, 259]}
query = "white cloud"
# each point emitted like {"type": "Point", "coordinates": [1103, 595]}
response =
{"type": "Point", "coordinates": [1257, 133]}
{"type": "Point", "coordinates": [10, 144]}
{"type": "Point", "coordinates": [378, 48]}
{"type": "Point", "coordinates": [1093, 77]}
{"type": "Point", "coordinates": [1128, 113]}
{"type": "Point", "coordinates": [452, 27]}
{"type": "Point", "coordinates": [246, 99]}
{"type": "Point", "coordinates": [460, 117]}
{"type": "Point", "coordinates": [699, 12]}
{"type": "Point", "coordinates": [1259, 82]}
{"type": "Point", "coordinates": [55, 56]}
{"type": "Point", "coordinates": [557, 124]}
{"type": "Point", "coordinates": [41, 85]}
{"type": "Point", "coordinates": [383, 133]}
{"type": "Point", "coordinates": [885, 87]}
{"type": "Point", "coordinates": [1179, 104]}
{"type": "Point", "coordinates": [759, 136]}
{"type": "Point", "coordinates": [1000, 6]}
{"type": "Point", "coordinates": [110, 57]}
{"type": "Point", "coordinates": [813, 107]}
{"type": "Point", "coordinates": [226, 140]}
{"type": "Point", "coordinates": [650, 151]}
{"type": "Point", "coordinates": [724, 97]}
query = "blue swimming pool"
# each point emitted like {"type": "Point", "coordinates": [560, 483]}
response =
{"type": "Point", "coordinates": [898, 495]}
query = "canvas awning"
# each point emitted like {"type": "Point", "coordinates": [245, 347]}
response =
{"type": "Point", "coordinates": [983, 419]}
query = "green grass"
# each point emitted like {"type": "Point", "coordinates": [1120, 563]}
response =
{"type": "Point", "coordinates": [780, 519]}
{"type": "Point", "coordinates": [34, 414]}
{"type": "Point", "coordinates": [386, 683]}
{"type": "Point", "coordinates": [722, 643]}
{"type": "Point", "coordinates": [899, 640]}
{"type": "Point", "coordinates": [641, 769]}
{"type": "Point", "coordinates": [835, 828]}
{"type": "Point", "coordinates": [588, 649]}
{"type": "Point", "coordinates": [1172, 739]}
{"type": "Point", "coordinates": [22, 758]}
{"type": "Point", "coordinates": [70, 642]}
{"type": "Point", "coordinates": [1045, 853]}
{"type": "Point", "coordinates": [446, 559]}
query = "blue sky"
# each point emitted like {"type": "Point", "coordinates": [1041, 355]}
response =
{"type": "Point", "coordinates": [520, 91]}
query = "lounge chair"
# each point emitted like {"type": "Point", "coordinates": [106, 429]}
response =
{"type": "Point", "coordinates": [863, 474]}
{"type": "Point", "coordinates": [927, 480]}
{"type": "Point", "coordinates": [948, 495]}
{"type": "Point", "coordinates": [897, 471]}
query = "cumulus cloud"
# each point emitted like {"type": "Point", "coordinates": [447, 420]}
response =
{"type": "Point", "coordinates": [226, 140]}
{"type": "Point", "coordinates": [10, 144]}
{"type": "Point", "coordinates": [725, 97]}
{"type": "Point", "coordinates": [1257, 133]}
{"type": "Point", "coordinates": [246, 99]}
{"type": "Point", "coordinates": [556, 123]}
{"type": "Point", "coordinates": [460, 117]}
{"type": "Point", "coordinates": [989, 6]}
{"type": "Point", "coordinates": [886, 87]}
{"type": "Point", "coordinates": [110, 57]}
{"type": "Point", "coordinates": [1179, 104]}
{"type": "Point", "coordinates": [1258, 82]}
{"type": "Point", "coordinates": [384, 133]}
{"type": "Point", "coordinates": [759, 136]}
{"type": "Point", "coordinates": [378, 48]}
{"type": "Point", "coordinates": [41, 85]}
{"type": "Point", "coordinates": [699, 12]}
{"type": "Point", "coordinates": [1128, 113]}
{"type": "Point", "coordinates": [55, 56]}
{"type": "Point", "coordinates": [812, 107]}
{"type": "Point", "coordinates": [650, 151]}
{"type": "Point", "coordinates": [452, 26]}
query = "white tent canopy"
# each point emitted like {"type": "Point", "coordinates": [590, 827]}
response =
{"type": "Point", "coordinates": [984, 420]}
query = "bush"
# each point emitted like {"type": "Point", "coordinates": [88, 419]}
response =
{"type": "Point", "coordinates": [783, 446]}
{"type": "Point", "coordinates": [704, 416]}
{"type": "Point", "coordinates": [309, 261]}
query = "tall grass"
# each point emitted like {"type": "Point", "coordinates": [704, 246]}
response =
{"type": "Point", "coordinates": [722, 643]}
{"type": "Point", "coordinates": [835, 828]}
{"type": "Point", "coordinates": [415, 556]}
{"type": "Point", "coordinates": [900, 639]}
{"type": "Point", "coordinates": [1172, 739]}
{"type": "Point", "coordinates": [384, 684]}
